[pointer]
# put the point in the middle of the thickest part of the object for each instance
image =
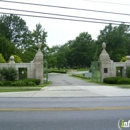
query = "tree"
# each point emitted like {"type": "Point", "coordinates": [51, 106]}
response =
{"type": "Point", "coordinates": [123, 59]}
{"type": "Point", "coordinates": [39, 36]}
{"type": "Point", "coordinates": [14, 29]}
{"type": "Point", "coordinates": [117, 40]}
{"type": "Point", "coordinates": [81, 50]}
{"type": "Point", "coordinates": [2, 60]}
{"type": "Point", "coordinates": [6, 48]}
{"type": "Point", "coordinates": [17, 59]}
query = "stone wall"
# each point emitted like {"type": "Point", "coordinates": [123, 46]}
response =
{"type": "Point", "coordinates": [34, 68]}
{"type": "Point", "coordinates": [108, 67]}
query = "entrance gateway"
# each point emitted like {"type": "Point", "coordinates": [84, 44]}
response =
{"type": "Point", "coordinates": [108, 67]}
{"type": "Point", "coordinates": [34, 68]}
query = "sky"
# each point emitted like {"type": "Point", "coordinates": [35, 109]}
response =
{"type": "Point", "coordinates": [61, 31]}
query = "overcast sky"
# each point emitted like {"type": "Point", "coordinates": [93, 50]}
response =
{"type": "Point", "coordinates": [60, 31]}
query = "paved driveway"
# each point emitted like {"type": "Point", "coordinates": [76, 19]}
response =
{"type": "Point", "coordinates": [66, 80]}
{"type": "Point", "coordinates": [64, 85]}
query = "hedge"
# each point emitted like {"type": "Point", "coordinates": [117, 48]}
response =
{"type": "Point", "coordinates": [116, 80]}
{"type": "Point", "coordinates": [25, 82]}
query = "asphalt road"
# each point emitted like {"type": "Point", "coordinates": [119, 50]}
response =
{"type": "Point", "coordinates": [75, 113]}
{"type": "Point", "coordinates": [65, 80]}
{"type": "Point", "coordinates": [63, 113]}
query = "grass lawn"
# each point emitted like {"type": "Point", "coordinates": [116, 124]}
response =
{"type": "Point", "coordinates": [80, 76]}
{"type": "Point", "coordinates": [122, 85]}
{"type": "Point", "coordinates": [83, 69]}
{"type": "Point", "coordinates": [22, 88]}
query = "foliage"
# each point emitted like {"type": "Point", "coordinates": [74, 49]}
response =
{"type": "Point", "coordinates": [81, 50]}
{"type": "Point", "coordinates": [80, 76]}
{"type": "Point", "coordinates": [128, 72]}
{"type": "Point", "coordinates": [116, 39]}
{"type": "Point", "coordinates": [6, 48]}
{"type": "Point", "coordinates": [117, 80]}
{"type": "Point", "coordinates": [16, 38]}
{"type": "Point", "coordinates": [57, 71]}
{"type": "Point", "coordinates": [14, 29]}
{"type": "Point", "coordinates": [25, 82]}
{"type": "Point", "coordinates": [17, 59]}
{"type": "Point", "coordinates": [123, 59]}
{"type": "Point", "coordinates": [123, 81]}
{"type": "Point", "coordinates": [2, 60]}
{"type": "Point", "coordinates": [18, 83]}
{"type": "Point", "coordinates": [8, 73]}
{"type": "Point", "coordinates": [39, 36]}
{"type": "Point", "coordinates": [36, 81]}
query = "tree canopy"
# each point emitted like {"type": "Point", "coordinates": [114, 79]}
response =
{"type": "Point", "coordinates": [17, 39]}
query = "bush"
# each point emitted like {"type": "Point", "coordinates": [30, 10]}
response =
{"type": "Point", "coordinates": [31, 84]}
{"type": "Point", "coordinates": [124, 81]}
{"type": "Point", "coordinates": [5, 83]}
{"type": "Point", "coordinates": [2, 60]}
{"type": "Point", "coordinates": [128, 72]}
{"type": "Point", "coordinates": [17, 59]}
{"type": "Point", "coordinates": [111, 80]}
{"type": "Point", "coordinates": [57, 71]}
{"type": "Point", "coordinates": [117, 80]}
{"type": "Point", "coordinates": [36, 81]}
{"type": "Point", "coordinates": [25, 82]}
{"type": "Point", "coordinates": [9, 73]}
{"type": "Point", "coordinates": [18, 83]}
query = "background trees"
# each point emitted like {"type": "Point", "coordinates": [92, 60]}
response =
{"type": "Point", "coordinates": [117, 40]}
{"type": "Point", "coordinates": [17, 39]}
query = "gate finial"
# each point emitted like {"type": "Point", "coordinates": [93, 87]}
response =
{"type": "Point", "coordinates": [104, 45]}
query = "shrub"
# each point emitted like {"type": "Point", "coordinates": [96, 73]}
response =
{"type": "Point", "coordinates": [111, 80]}
{"type": "Point", "coordinates": [9, 73]}
{"type": "Point", "coordinates": [36, 81]}
{"type": "Point", "coordinates": [31, 84]}
{"type": "Point", "coordinates": [117, 80]}
{"type": "Point", "coordinates": [18, 83]}
{"type": "Point", "coordinates": [2, 60]}
{"type": "Point", "coordinates": [57, 71]}
{"type": "Point", "coordinates": [128, 72]}
{"type": "Point", "coordinates": [1, 83]}
{"type": "Point", "coordinates": [5, 83]}
{"type": "Point", "coordinates": [17, 59]}
{"type": "Point", "coordinates": [124, 81]}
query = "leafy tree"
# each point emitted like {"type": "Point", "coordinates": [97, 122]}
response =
{"type": "Point", "coordinates": [52, 56]}
{"type": "Point", "coordinates": [81, 50]}
{"type": "Point", "coordinates": [117, 41]}
{"type": "Point", "coordinates": [39, 36]}
{"type": "Point", "coordinates": [123, 59]}
{"type": "Point", "coordinates": [6, 48]}
{"type": "Point", "coordinates": [17, 59]}
{"type": "Point", "coordinates": [14, 28]}
{"type": "Point", "coordinates": [2, 60]}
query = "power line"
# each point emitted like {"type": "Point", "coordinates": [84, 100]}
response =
{"type": "Point", "coordinates": [107, 2]}
{"type": "Point", "coordinates": [64, 7]}
{"type": "Point", "coordinates": [63, 15]}
{"type": "Point", "coordinates": [62, 18]}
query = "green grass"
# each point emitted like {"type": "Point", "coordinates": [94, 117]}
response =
{"type": "Point", "coordinates": [23, 88]}
{"type": "Point", "coordinates": [123, 86]}
{"type": "Point", "coordinates": [80, 76]}
{"type": "Point", "coordinates": [83, 69]}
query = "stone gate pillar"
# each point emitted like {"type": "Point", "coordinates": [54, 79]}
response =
{"type": "Point", "coordinates": [106, 64]}
{"type": "Point", "coordinates": [38, 64]}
